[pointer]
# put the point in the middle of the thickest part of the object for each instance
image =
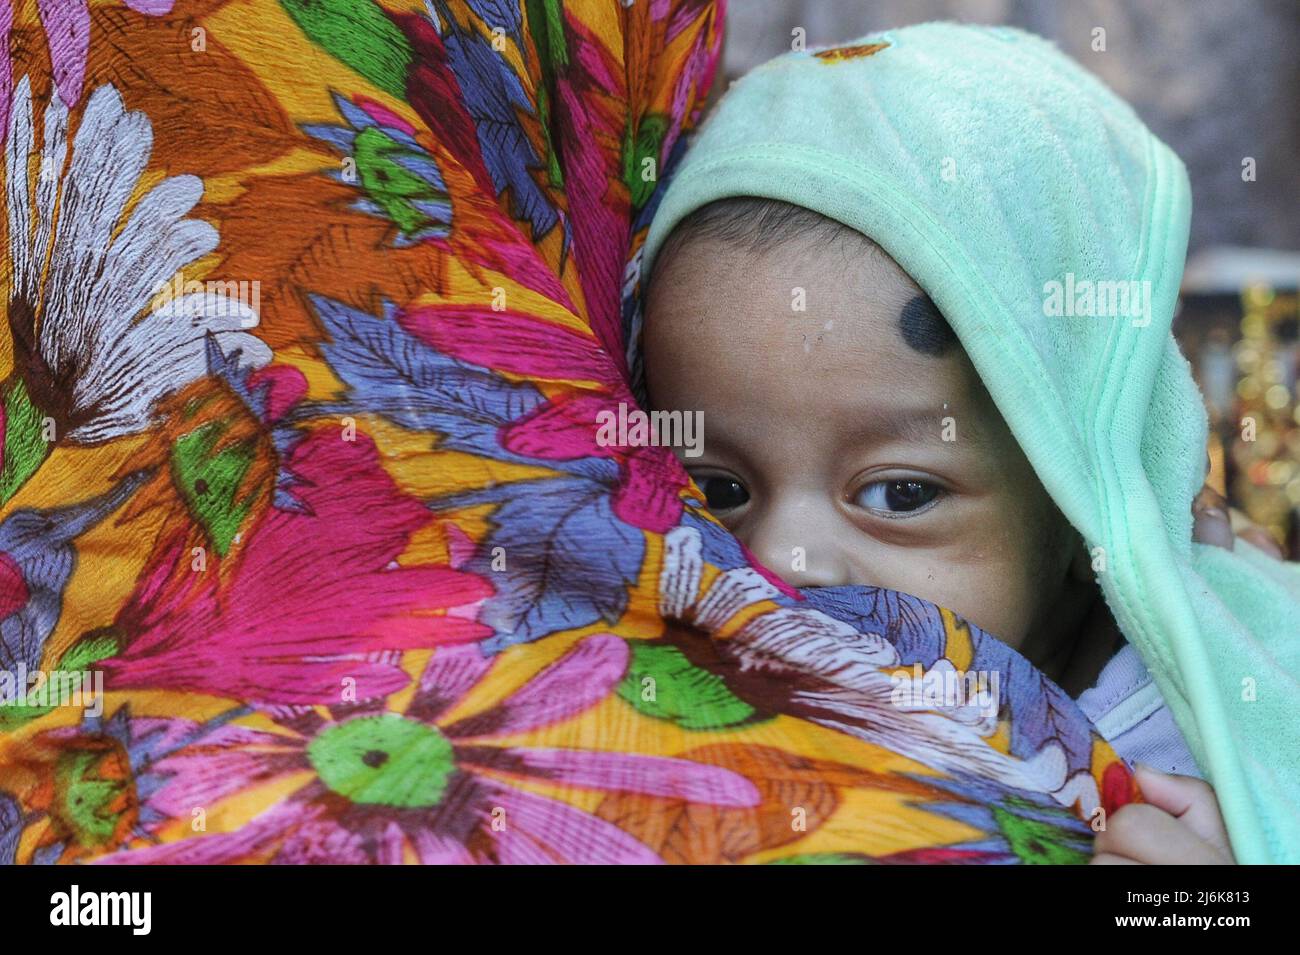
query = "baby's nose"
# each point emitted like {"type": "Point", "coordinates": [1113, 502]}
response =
{"type": "Point", "coordinates": [797, 543]}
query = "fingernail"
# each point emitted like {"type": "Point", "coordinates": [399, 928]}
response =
{"type": "Point", "coordinates": [1209, 497]}
{"type": "Point", "coordinates": [1210, 525]}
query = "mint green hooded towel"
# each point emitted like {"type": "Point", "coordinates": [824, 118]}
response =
{"type": "Point", "coordinates": [1050, 227]}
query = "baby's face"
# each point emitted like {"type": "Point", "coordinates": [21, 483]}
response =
{"type": "Point", "coordinates": [824, 444]}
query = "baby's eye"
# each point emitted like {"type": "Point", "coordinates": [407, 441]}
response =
{"type": "Point", "coordinates": [896, 497]}
{"type": "Point", "coordinates": [722, 493]}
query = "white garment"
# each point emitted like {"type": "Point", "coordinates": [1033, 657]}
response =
{"type": "Point", "coordinates": [1129, 712]}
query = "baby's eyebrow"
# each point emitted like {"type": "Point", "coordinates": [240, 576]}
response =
{"type": "Point", "coordinates": [924, 426]}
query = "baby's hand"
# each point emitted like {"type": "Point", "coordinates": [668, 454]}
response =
{"type": "Point", "coordinates": [1179, 824]}
{"type": "Point", "coordinates": [1214, 522]}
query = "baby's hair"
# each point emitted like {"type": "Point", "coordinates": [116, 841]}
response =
{"type": "Point", "coordinates": [754, 224]}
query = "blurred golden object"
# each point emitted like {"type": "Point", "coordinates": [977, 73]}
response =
{"type": "Point", "coordinates": [1263, 450]}
{"type": "Point", "coordinates": [1218, 475]}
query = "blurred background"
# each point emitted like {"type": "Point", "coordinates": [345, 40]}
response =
{"type": "Point", "coordinates": [1220, 83]}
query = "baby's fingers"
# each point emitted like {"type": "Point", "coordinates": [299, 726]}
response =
{"type": "Point", "coordinates": [1109, 858]}
{"type": "Point", "coordinates": [1260, 538]}
{"type": "Point", "coordinates": [1214, 522]}
{"type": "Point", "coordinates": [1145, 834]}
{"type": "Point", "coordinates": [1189, 800]}
{"type": "Point", "coordinates": [1211, 523]}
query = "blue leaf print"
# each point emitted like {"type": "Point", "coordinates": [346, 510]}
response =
{"type": "Point", "coordinates": [504, 14]}
{"type": "Point", "coordinates": [391, 373]}
{"type": "Point", "coordinates": [40, 543]}
{"type": "Point", "coordinates": [492, 93]}
{"type": "Point", "coordinates": [568, 560]}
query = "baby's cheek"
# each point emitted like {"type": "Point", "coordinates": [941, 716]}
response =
{"type": "Point", "coordinates": [1009, 561]}
{"type": "Point", "coordinates": [994, 596]}
{"type": "Point", "coordinates": [982, 586]}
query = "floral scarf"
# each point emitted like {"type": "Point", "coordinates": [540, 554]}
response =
{"type": "Point", "coordinates": [309, 549]}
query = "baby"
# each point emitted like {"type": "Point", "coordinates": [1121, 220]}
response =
{"type": "Point", "coordinates": [850, 438]}
{"type": "Point", "coordinates": [860, 477]}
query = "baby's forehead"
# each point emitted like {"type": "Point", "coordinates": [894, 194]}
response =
{"type": "Point", "coordinates": [887, 291]}
{"type": "Point", "coordinates": [811, 253]}
{"type": "Point", "coordinates": [874, 296]}
{"type": "Point", "coordinates": [845, 347]}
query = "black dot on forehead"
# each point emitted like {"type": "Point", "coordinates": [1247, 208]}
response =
{"type": "Point", "coordinates": [924, 328]}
